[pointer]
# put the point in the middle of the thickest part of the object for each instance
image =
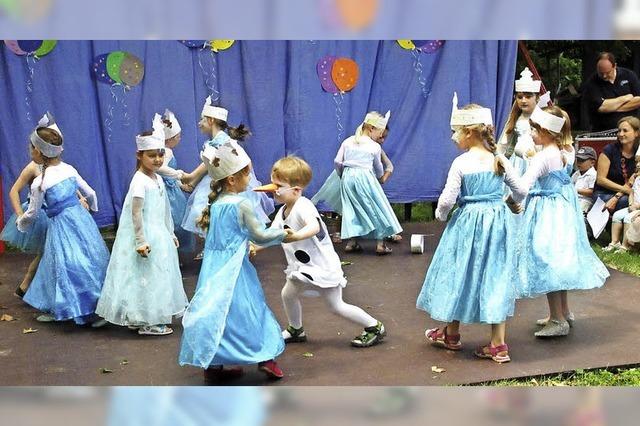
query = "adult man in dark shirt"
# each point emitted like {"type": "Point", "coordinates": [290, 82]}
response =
{"type": "Point", "coordinates": [611, 93]}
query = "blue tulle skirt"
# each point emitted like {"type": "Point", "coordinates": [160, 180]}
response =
{"type": "Point", "coordinates": [366, 212]}
{"type": "Point", "coordinates": [329, 195]}
{"type": "Point", "coordinates": [31, 241]}
{"type": "Point", "coordinates": [178, 202]}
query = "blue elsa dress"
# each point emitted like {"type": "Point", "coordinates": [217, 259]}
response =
{"type": "Point", "coordinates": [228, 320]}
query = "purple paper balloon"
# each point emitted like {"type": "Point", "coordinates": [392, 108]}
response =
{"type": "Point", "coordinates": [12, 45]}
{"type": "Point", "coordinates": [420, 43]}
{"type": "Point", "coordinates": [29, 46]}
{"type": "Point", "coordinates": [324, 67]}
{"type": "Point", "coordinates": [193, 43]}
{"type": "Point", "coordinates": [431, 46]}
{"type": "Point", "coordinates": [99, 68]}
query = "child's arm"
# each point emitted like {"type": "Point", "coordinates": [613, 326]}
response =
{"type": "Point", "coordinates": [89, 193]}
{"type": "Point", "coordinates": [169, 172]}
{"type": "Point", "coordinates": [258, 232]}
{"type": "Point", "coordinates": [311, 228]}
{"type": "Point", "coordinates": [388, 167]}
{"type": "Point", "coordinates": [520, 186]}
{"type": "Point", "coordinates": [525, 147]}
{"type": "Point", "coordinates": [26, 176]}
{"type": "Point", "coordinates": [142, 247]}
{"type": "Point", "coordinates": [450, 192]}
{"type": "Point", "coordinates": [377, 163]}
{"type": "Point", "coordinates": [194, 178]}
{"type": "Point", "coordinates": [35, 203]}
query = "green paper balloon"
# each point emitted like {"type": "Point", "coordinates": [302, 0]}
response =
{"type": "Point", "coordinates": [114, 60]}
{"type": "Point", "coordinates": [46, 48]}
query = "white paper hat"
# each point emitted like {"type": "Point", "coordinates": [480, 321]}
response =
{"type": "Point", "coordinates": [547, 121]}
{"type": "Point", "coordinates": [526, 83]}
{"type": "Point", "coordinates": [214, 112]}
{"type": "Point", "coordinates": [377, 120]}
{"type": "Point", "coordinates": [155, 140]}
{"type": "Point", "coordinates": [467, 117]}
{"type": "Point", "coordinates": [224, 160]}
{"type": "Point", "coordinates": [47, 149]}
{"type": "Point", "coordinates": [175, 128]}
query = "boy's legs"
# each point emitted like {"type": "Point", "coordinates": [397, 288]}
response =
{"type": "Point", "coordinates": [333, 297]}
{"type": "Point", "coordinates": [291, 300]}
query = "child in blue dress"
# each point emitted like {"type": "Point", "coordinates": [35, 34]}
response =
{"type": "Point", "coordinates": [31, 241]}
{"type": "Point", "coordinates": [515, 141]}
{"type": "Point", "coordinates": [214, 123]}
{"type": "Point", "coordinates": [471, 278]}
{"type": "Point", "coordinates": [547, 265]}
{"type": "Point", "coordinates": [71, 272]}
{"type": "Point", "coordinates": [228, 321]}
{"type": "Point", "coordinates": [366, 212]}
{"type": "Point", "coordinates": [172, 181]}
{"type": "Point", "coordinates": [143, 288]}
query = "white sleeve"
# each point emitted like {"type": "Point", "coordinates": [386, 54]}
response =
{"type": "Point", "coordinates": [169, 172]}
{"type": "Point", "coordinates": [338, 162]}
{"type": "Point", "coordinates": [591, 181]}
{"type": "Point", "coordinates": [36, 199]}
{"type": "Point", "coordinates": [137, 188]}
{"type": "Point", "coordinates": [450, 192]}
{"type": "Point", "coordinates": [388, 165]}
{"type": "Point", "coordinates": [524, 145]}
{"type": "Point", "coordinates": [137, 205]}
{"type": "Point", "coordinates": [258, 232]}
{"type": "Point", "coordinates": [520, 186]}
{"type": "Point", "coordinates": [88, 192]}
{"type": "Point", "coordinates": [503, 143]}
{"type": "Point", "coordinates": [168, 219]}
{"type": "Point", "coordinates": [511, 179]}
{"type": "Point", "coordinates": [377, 163]}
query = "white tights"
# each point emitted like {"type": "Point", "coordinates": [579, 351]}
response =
{"type": "Point", "coordinates": [291, 293]}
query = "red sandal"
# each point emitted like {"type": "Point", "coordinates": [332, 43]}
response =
{"type": "Point", "coordinates": [441, 338]}
{"type": "Point", "coordinates": [493, 352]}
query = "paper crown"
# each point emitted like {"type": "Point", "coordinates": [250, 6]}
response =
{"type": "Point", "coordinates": [155, 140]}
{"type": "Point", "coordinates": [175, 128]}
{"type": "Point", "coordinates": [224, 160]}
{"type": "Point", "coordinates": [547, 121]}
{"type": "Point", "coordinates": [467, 117]}
{"type": "Point", "coordinates": [47, 149]}
{"type": "Point", "coordinates": [214, 112]}
{"type": "Point", "coordinates": [526, 83]}
{"type": "Point", "coordinates": [377, 120]}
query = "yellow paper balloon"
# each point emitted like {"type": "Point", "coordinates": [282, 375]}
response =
{"type": "Point", "coordinates": [407, 44]}
{"type": "Point", "coordinates": [217, 45]}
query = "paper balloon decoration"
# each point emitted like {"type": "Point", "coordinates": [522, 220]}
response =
{"type": "Point", "coordinates": [217, 45]}
{"type": "Point", "coordinates": [357, 14]}
{"type": "Point", "coordinates": [193, 43]}
{"type": "Point", "coordinates": [100, 69]}
{"type": "Point", "coordinates": [407, 44]}
{"type": "Point", "coordinates": [345, 73]}
{"type": "Point", "coordinates": [31, 47]}
{"type": "Point", "coordinates": [324, 68]}
{"type": "Point", "coordinates": [131, 70]}
{"type": "Point", "coordinates": [431, 46]}
{"type": "Point", "coordinates": [118, 67]}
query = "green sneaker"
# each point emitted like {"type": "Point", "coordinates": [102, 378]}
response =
{"type": "Point", "coordinates": [370, 336]}
{"type": "Point", "coordinates": [294, 335]}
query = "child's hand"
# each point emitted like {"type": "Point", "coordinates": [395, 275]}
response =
{"type": "Point", "coordinates": [83, 203]}
{"type": "Point", "coordinates": [176, 242]}
{"type": "Point", "coordinates": [531, 153]}
{"type": "Point", "coordinates": [290, 236]}
{"type": "Point", "coordinates": [144, 250]}
{"type": "Point", "coordinates": [516, 208]}
{"type": "Point", "coordinates": [252, 250]}
{"type": "Point", "coordinates": [186, 187]}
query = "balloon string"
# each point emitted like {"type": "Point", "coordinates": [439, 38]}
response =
{"type": "Point", "coordinates": [214, 79]}
{"type": "Point", "coordinates": [338, 98]}
{"type": "Point", "coordinates": [210, 79]}
{"type": "Point", "coordinates": [417, 66]}
{"type": "Point", "coordinates": [125, 107]}
{"type": "Point", "coordinates": [108, 122]}
{"type": "Point", "coordinates": [29, 85]}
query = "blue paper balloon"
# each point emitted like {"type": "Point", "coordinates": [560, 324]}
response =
{"type": "Point", "coordinates": [29, 46]}
{"type": "Point", "coordinates": [193, 43]}
{"type": "Point", "coordinates": [100, 69]}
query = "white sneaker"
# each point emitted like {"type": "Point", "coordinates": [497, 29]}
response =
{"type": "Point", "coordinates": [45, 318]}
{"type": "Point", "coordinates": [99, 323]}
{"type": "Point", "coordinates": [612, 247]}
{"type": "Point", "coordinates": [155, 330]}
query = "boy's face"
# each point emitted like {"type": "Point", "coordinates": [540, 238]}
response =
{"type": "Point", "coordinates": [285, 194]}
{"type": "Point", "coordinates": [584, 165]}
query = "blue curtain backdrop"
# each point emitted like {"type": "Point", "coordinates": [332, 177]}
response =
{"type": "Point", "coordinates": [271, 86]}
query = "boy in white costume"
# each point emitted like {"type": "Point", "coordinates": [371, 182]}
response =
{"type": "Point", "coordinates": [312, 263]}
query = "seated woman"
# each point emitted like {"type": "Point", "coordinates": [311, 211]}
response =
{"type": "Point", "coordinates": [616, 165]}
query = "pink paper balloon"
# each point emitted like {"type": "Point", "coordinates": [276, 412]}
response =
{"type": "Point", "coordinates": [12, 45]}
{"type": "Point", "coordinates": [323, 68]}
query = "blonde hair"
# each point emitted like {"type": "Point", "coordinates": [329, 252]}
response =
{"type": "Point", "coordinates": [292, 170]}
{"type": "Point", "coordinates": [485, 133]}
{"type": "Point", "coordinates": [52, 137]}
{"type": "Point", "coordinates": [217, 186]}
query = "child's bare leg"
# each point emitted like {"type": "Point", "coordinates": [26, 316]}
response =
{"type": "Point", "coordinates": [31, 272]}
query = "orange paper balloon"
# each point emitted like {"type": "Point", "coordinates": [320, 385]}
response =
{"type": "Point", "coordinates": [357, 14]}
{"type": "Point", "coordinates": [345, 74]}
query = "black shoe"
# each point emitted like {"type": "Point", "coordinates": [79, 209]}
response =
{"type": "Point", "coordinates": [19, 292]}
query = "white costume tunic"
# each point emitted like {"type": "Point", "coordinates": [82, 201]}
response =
{"type": "Point", "coordinates": [312, 260]}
